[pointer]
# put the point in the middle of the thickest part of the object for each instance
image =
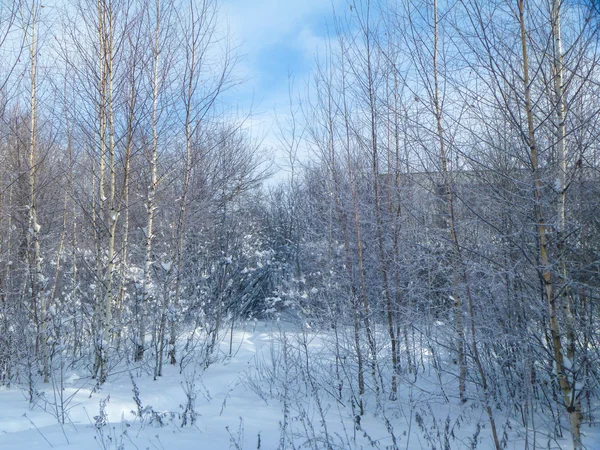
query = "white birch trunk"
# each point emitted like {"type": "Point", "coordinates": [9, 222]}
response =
{"type": "Point", "coordinates": [150, 202]}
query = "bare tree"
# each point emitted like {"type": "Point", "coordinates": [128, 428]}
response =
{"type": "Point", "coordinates": [198, 100]}
{"type": "Point", "coordinates": [30, 19]}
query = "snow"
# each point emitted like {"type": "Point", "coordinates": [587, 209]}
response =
{"type": "Point", "coordinates": [245, 398]}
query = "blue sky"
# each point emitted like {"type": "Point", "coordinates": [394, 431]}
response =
{"type": "Point", "coordinates": [275, 38]}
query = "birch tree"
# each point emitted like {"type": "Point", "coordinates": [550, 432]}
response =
{"type": "Point", "coordinates": [157, 76]}
{"type": "Point", "coordinates": [30, 18]}
{"type": "Point", "coordinates": [532, 80]}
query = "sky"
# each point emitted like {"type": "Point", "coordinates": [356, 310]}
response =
{"type": "Point", "coordinates": [277, 39]}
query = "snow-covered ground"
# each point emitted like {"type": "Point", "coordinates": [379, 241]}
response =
{"type": "Point", "coordinates": [254, 399]}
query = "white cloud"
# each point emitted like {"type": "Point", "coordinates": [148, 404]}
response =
{"type": "Point", "coordinates": [263, 23]}
{"type": "Point", "coordinates": [290, 32]}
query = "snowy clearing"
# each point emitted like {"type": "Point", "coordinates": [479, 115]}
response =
{"type": "Point", "coordinates": [254, 399]}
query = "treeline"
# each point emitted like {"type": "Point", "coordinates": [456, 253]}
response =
{"type": "Point", "coordinates": [451, 202]}
{"type": "Point", "coordinates": [447, 211]}
{"type": "Point", "coordinates": [128, 189]}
